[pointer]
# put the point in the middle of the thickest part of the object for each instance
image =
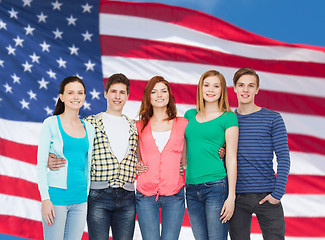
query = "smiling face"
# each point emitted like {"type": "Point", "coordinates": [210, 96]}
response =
{"type": "Point", "coordinates": [159, 95]}
{"type": "Point", "coordinates": [116, 97]}
{"type": "Point", "coordinates": [246, 88]}
{"type": "Point", "coordinates": [73, 95]}
{"type": "Point", "coordinates": [211, 89]}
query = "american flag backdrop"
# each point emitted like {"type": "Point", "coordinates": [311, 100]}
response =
{"type": "Point", "coordinates": [42, 42]}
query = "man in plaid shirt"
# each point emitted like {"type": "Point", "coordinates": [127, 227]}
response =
{"type": "Point", "coordinates": [111, 200]}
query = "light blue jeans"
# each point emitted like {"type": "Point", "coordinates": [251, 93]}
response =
{"type": "Point", "coordinates": [69, 223]}
{"type": "Point", "coordinates": [204, 204]}
{"type": "Point", "coordinates": [172, 215]}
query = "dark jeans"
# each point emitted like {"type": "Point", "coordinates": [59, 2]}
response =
{"type": "Point", "coordinates": [204, 204]}
{"type": "Point", "coordinates": [172, 215]}
{"type": "Point", "coordinates": [111, 208]}
{"type": "Point", "coordinates": [270, 217]}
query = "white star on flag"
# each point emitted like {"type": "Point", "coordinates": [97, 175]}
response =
{"type": "Point", "coordinates": [86, 8]}
{"type": "Point", "coordinates": [43, 83]}
{"type": "Point", "coordinates": [34, 57]}
{"type": "Point", "coordinates": [1, 63]}
{"type": "Point", "coordinates": [45, 47]}
{"type": "Point", "coordinates": [57, 34]}
{"type": "Point", "coordinates": [86, 105]}
{"type": "Point", "coordinates": [73, 50]}
{"type": "Point", "coordinates": [61, 62]}
{"type": "Point", "coordinates": [24, 104]}
{"type": "Point", "coordinates": [29, 30]}
{"type": "Point", "coordinates": [51, 73]}
{"type": "Point", "coordinates": [32, 95]}
{"type": "Point", "coordinates": [27, 3]}
{"type": "Point", "coordinates": [3, 25]}
{"type": "Point", "coordinates": [8, 88]}
{"type": "Point", "coordinates": [27, 67]}
{"type": "Point", "coordinates": [11, 50]}
{"type": "Point", "coordinates": [94, 94]}
{"type": "Point", "coordinates": [15, 78]}
{"type": "Point", "coordinates": [42, 17]}
{"type": "Point", "coordinates": [87, 36]}
{"type": "Point", "coordinates": [90, 66]}
{"type": "Point", "coordinates": [57, 5]}
{"type": "Point", "coordinates": [13, 13]}
{"type": "Point", "coordinates": [71, 20]}
{"type": "Point", "coordinates": [48, 110]}
{"type": "Point", "coordinates": [18, 41]}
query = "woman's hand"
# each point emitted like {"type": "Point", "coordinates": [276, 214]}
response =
{"type": "Point", "coordinates": [48, 212]}
{"type": "Point", "coordinates": [227, 210]}
{"type": "Point", "coordinates": [140, 168]}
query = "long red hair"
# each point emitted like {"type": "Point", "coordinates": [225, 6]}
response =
{"type": "Point", "coordinates": [146, 110]}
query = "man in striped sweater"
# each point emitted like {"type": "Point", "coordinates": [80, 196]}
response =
{"type": "Point", "coordinates": [262, 132]}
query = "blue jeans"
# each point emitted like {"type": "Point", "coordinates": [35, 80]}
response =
{"type": "Point", "coordinates": [69, 223]}
{"type": "Point", "coordinates": [172, 215]}
{"type": "Point", "coordinates": [204, 204]}
{"type": "Point", "coordinates": [111, 208]}
{"type": "Point", "coordinates": [269, 216]}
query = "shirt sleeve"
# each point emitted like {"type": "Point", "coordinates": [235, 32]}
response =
{"type": "Point", "coordinates": [231, 120]}
{"type": "Point", "coordinates": [281, 149]}
{"type": "Point", "coordinates": [42, 160]}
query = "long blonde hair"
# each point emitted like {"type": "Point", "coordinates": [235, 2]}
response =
{"type": "Point", "coordinates": [223, 102]}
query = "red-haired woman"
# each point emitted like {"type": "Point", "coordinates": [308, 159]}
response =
{"type": "Point", "coordinates": [161, 148]}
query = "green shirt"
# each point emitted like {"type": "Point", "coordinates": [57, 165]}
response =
{"type": "Point", "coordinates": [203, 143]}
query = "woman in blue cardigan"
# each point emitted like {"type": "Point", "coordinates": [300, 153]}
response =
{"type": "Point", "coordinates": [64, 192]}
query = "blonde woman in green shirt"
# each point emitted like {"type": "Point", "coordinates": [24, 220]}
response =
{"type": "Point", "coordinates": [210, 184]}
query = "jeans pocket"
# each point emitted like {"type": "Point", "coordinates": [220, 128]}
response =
{"type": "Point", "coordinates": [139, 195]}
{"type": "Point", "coordinates": [217, 183]}
{"type": "Point", "coordinates": [180, 194]}
{"type": "Point", "coordinates": [94, 194]}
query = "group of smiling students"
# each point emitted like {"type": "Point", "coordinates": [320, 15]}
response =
{"type": "Point", "coordinates": [228, 157]}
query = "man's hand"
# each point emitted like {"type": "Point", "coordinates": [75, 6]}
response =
{"type": "Point", "coordinates": [140, 168]}
{"type": "Point", "coordinates": [222, 152]}
{"type": "Point", "coordinates": [270, 199]}
{"type": "Point", "coordinates": [55, 163]}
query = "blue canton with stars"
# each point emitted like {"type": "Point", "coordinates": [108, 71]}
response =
{"type": "Point", "coordinates": [41, 43]}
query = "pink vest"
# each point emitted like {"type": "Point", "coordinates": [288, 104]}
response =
{"type": "Point", "coordinates": [163, 176]}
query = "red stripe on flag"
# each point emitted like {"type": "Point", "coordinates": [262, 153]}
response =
{"type": "Point", "coordinates": [21, 227]}
{"type": "Point", "coordinates": [19, 187]}
{"type": "Point", "coordinates": [188, 18]}
{"type": "Point", "coordinates": [297, 184]}
{"type": "Point", "coordinates": [298, 226]}
{"type": "Point", "coordinates": [18, 151]}
{"type": "Point", "coordinates": [305, 184]}
{"type": "Point", "coordinates": [150, 49]}
{"type": "Point", "coordinates": [186, 94]}
{"type": "Point", "coordinates": [305, 143]}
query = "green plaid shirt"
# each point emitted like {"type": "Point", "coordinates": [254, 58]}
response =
{"type": "Point", "coordinates": [105, 166]}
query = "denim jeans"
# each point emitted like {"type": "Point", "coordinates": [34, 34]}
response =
{"type": "Point", "coordinates": [204, 204]}
{"type": "Point", "coordinates": [270, 217]}
{"type": "Point", "coordinates": [69, 223]}
{"type": "Point", "coordinates": [172, 215]}
{"type": "Point", "coordinates": [111, 208]}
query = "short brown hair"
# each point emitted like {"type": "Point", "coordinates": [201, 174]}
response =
{"type": "Point", "coordinates": [246, 71]}
{"type": "Point", "coordinates": [118, 78]}
{"type": "Point", "coordinates": [146, 110]}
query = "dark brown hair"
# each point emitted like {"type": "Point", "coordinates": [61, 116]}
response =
{"type": "Point", "coordinates": [246, 71]}
{"type": "Point", "coordinates": [59, 108]}
{"type": "Point", "coordinates": [118, 78]}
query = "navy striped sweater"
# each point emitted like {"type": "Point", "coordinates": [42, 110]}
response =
{"type": "Point", "coordinates": [261, 134]}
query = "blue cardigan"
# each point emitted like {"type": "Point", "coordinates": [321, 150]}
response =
{"type": "Point", "coordinates": [51, 142]}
